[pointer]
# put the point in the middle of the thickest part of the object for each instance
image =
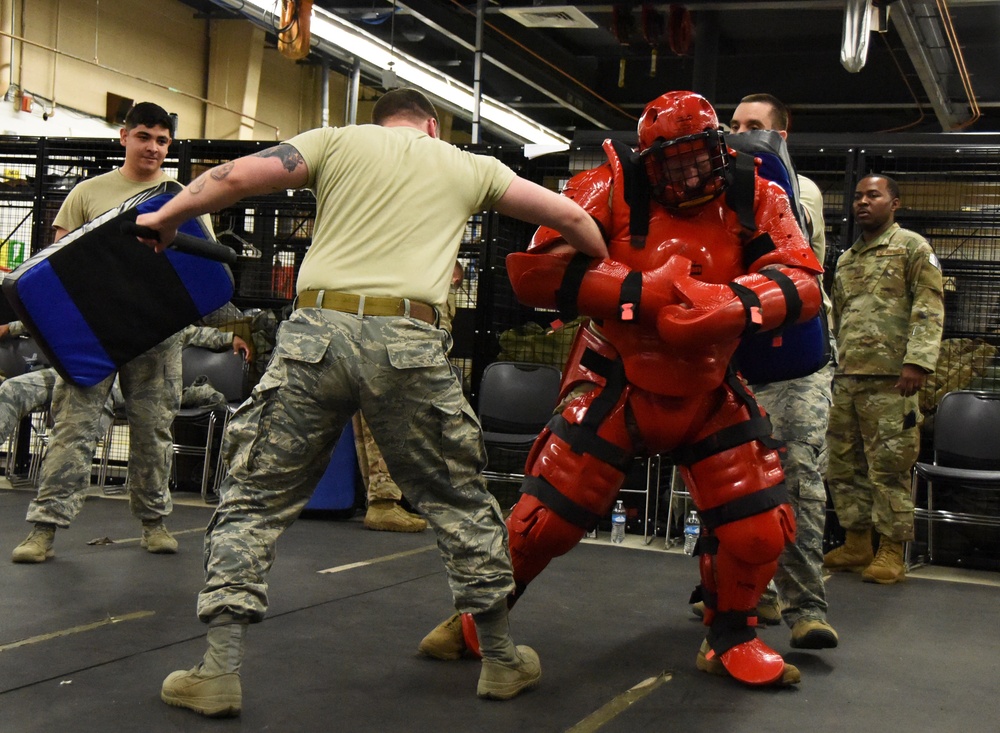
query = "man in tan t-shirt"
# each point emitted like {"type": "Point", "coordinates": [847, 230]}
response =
{"type": "Point", "coordinates": [151, 383]}
{"type": "Point", "coordinates": [392, 205]}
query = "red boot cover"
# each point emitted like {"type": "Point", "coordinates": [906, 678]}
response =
{"type": "Point", "coordinates": [754, 663]}
{"type": "Point", "coordinates": [469, 632]}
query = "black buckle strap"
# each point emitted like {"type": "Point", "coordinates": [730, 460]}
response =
{"type": "Point", "coordinates": [581, 439]}
{"type": "Point", "coordinates": [751, 307]}
{"type": "Point", "coordinates": [744, 506]}
{"type": "Point", "coordinates": [630, 296]}
{"type": "Point", "coordinates": [558, 502]}
{"type": "Point", "coordinates": [793, 303]}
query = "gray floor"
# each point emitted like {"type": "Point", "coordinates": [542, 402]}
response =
{"type": "Point", "coordinates": [87, 638]}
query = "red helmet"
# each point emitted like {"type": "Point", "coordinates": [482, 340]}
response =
{"type": "Point", "coordinates": [682, 149]}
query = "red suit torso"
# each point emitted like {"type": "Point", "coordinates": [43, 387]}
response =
{"type": "Point", "coordinates": [709, 235]}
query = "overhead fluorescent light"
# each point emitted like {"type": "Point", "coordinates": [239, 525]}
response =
{"type": "Point", "coordinates": [553, 16]}
{"type": "Point", "coordinates": [327, 28]}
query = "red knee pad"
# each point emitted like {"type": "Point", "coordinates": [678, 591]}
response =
{"type": "Point", "coordinates": [761, 538]}
{"type": "Point", "coordinates": [537, 534]}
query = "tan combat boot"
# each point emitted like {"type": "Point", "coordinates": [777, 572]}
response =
{"type": "Point", "coordinates": [386, 515]}
{"type": "Point", "coordinates": [213, 687]}
{"type": "Point", "coordinates": [813, 633]}
{"type": "Point", "coordinates": [888, 566]}
{"type": "Point", "coordinates": [507, 670]}
{"type": "Point", "coordinates": [503, 680]}
{"type": "Point", "coordinates": [854, 555]}
{"type": "Point", "coordinates": [156, 539]}
{"type": "Point", "coordinates": [445, 641]}
{"type": "Point", "coordinates": [37, 546]}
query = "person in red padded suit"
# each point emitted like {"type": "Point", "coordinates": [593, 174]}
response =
{"type": "Point", "coordinates": [651, 372]}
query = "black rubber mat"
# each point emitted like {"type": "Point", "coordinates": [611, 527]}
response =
{"type": "Point", "coordinates": [87, 638]}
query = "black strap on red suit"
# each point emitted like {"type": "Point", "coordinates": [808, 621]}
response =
{"type": "Point", "coordinates": [756, 248]}
{"type": "Point", "coordinates": [558, 502]}
{"type": "Point", "coordinates": [729, 629]}
{"type": "Point", "coordinates": [744, 506]}
{"type": "Point", "coordinates": [758, 427]}
{"type": "Point", "coordinates": [584, 440]}
{"type": "Point", "coordinates": [630, 296]}
{"type": "Point", "coordinates": [741, 191]}
{"type": "Point", "coordinates": [636, 193]}
{"type": "Point", "coordinates": [793, 303]}
{"type": "Point", "coordinates": [751, 307]}
{"type": "Point", "coordinates": [569, 288]}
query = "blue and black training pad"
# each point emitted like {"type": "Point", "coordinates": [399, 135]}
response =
{"type": "Point", "coordinates": [98, 297]}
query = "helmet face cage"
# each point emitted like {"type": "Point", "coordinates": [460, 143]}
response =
{"type": "Point", "coordinates": [687, 171]}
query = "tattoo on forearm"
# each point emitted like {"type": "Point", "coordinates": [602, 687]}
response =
{"type": "Point", "coordinates": [221, 171]}
{"type": "Point", "coordinates": [290, 157]}
{"type": "Point", "coordinates": [217, 173]}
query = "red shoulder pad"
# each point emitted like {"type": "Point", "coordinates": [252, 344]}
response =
{"type": "Point", "coordinates": [775, 217]}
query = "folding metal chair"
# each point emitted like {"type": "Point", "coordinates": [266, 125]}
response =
{"type": "Point", "coordinates": [516, 400]}
{"type": "Point", "coordinates": [227, 373]}
{"type": "Point", "coordinates": [966, 458]}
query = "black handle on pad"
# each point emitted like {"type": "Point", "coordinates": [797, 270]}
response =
{"type": "Point", "coordinates": [207, 248]}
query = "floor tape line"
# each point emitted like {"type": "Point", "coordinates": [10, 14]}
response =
{"type": "Point", "coordinates": [615, 707]}
{"type": "Point", "coordinates": [385, 558]}
{"type": "Point", "coordinates": [77, 629]}
{"type": "Point", "coordinates": [135, 540]}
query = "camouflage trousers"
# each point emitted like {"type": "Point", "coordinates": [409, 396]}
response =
{"type": "Point", "coordinates": [151, 388]}
{"type": "Point", "coordinates": [325, 367]}
{"type": "Point", "coordinates": [874, 440]}
{"type": "Point", "coordinates": [30, 392]}
{"type": "Point", "coordinates": [22, 395]}
{"type": "Point", "coordinates": [799, 410]}
{"type": "Point", "coordinates": [374, 472]}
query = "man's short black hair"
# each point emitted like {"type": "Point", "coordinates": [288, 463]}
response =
{"type": "Point", "coordinates": [150, 115]}
{"type": "Point", "coordinates": [779, 110]}
{"type": "Point", "coordinates": [890, 184]}
{"type": "Point", "coordinates": [404, 102]}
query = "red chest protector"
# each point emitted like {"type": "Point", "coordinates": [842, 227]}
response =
{"type": "Point", "coordinates": [708, 234]}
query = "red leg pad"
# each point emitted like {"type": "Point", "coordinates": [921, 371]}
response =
{"type": "Point", "coordinates": [748, 555]}
{"type": "Point", "coordinates": [537, 534]}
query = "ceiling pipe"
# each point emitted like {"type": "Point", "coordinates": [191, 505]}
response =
{"type": "Point", "coordinates": [936, 57]}
{"type": "Point", "coordinates": [477, 72]}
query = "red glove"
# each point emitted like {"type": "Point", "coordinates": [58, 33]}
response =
{"type": "Point", "coordinates": [710, 313]}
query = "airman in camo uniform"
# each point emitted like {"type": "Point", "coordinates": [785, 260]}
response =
{"type": "Point", "coordinates": [799, 410]}
{"type": "Point", "coordinates": [888, 309]}
{"type": "Point", "coordinates": [150, 383]}
{"type": "Point", "coordinates": [392, 205]}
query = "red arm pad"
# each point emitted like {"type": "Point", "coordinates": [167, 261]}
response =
{"type": "Point", "coordinates": [536, 278]}
{"type": "Point", "coordinates": [713, 313]}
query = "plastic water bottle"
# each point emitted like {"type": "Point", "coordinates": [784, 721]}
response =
{"type": "Point", "coordinates": [618, 523]}
{"type": "Point", "coordinates": [692, 528]}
